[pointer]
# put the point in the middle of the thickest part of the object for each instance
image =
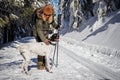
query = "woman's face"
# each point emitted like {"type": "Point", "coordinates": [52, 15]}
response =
{"type": "Point", "coordinates": [46, 16]}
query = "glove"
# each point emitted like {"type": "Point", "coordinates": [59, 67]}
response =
{"type": "Point", "coordinates": [58, 27]}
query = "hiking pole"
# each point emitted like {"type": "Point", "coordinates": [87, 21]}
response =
{"type": "Point", "coordinates": [53, 56]}
{"type": "Point", "coordinates": [57, 54]}
{"type": "Point", "coordinates": [57, 44]}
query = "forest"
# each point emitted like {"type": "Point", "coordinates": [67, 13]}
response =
{"type": "Point", "coordinates": [16, 15]}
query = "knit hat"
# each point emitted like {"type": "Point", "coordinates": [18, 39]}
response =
{"type": "Point", "coordinates": [48, 10]}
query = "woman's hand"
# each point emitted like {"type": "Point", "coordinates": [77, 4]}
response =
{"type": "Point", "coordinates": [47, 42]}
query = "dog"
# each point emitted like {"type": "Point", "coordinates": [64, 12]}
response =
{"type": "Point", "coordinates": [38, 48]}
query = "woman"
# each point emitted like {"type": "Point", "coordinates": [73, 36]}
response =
{"type": "Point", "coordinates": [45, 18]}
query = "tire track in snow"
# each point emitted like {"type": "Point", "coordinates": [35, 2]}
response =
{"type": "Point", "coordinates": [100, 70]}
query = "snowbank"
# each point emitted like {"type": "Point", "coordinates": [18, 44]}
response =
{"type": "Point", "coordinates": [100, 35]}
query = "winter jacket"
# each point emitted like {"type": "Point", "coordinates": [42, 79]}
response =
{"type": "Point", "coordinates": [41, 29]}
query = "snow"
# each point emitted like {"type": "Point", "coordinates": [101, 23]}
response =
{"type": "Point", "coordinates": [103, 32]}
{"type": "Point", "coordinates": [83, 54]}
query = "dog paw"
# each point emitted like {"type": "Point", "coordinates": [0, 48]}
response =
{"type": "Point", "coordinates": [27, 73]}
{"type": "Point", "coordinates": [49, 70]}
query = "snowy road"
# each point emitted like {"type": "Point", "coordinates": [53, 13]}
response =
{"type": "Point", "coordinates": [73, 65]}
{"type": "Point", "coordinates": [103, 72]}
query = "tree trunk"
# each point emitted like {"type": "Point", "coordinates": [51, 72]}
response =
{"type": "Point", "coordinates": [5, 35]}
{"type": "Point", "coordinates": [11, 34]}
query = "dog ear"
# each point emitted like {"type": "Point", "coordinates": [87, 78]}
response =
{"type": "Point", "coordinates": [57, 27]}
{"type": "Point", "coordinates": [54, 37]}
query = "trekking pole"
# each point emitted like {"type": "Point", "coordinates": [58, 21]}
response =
{"type": "Point", "coordinates": [57, 54]}
{"type": "Point", "coordinates": [55, 50]}
{"type": "Point", "coordinates": [57, 44]}
{"type": "Point", "coordinates": [53, 56]}
{"type": "Point", "coordinates": [54, 53]}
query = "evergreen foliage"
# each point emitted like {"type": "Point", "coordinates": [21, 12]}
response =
{"type": "Point", "coordinates": [15, 19]}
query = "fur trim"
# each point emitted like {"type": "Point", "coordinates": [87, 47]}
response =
{"type": "Point", "coordinates": [48, 10]}
{"type": "Point", "coordinates": [39, 11]}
